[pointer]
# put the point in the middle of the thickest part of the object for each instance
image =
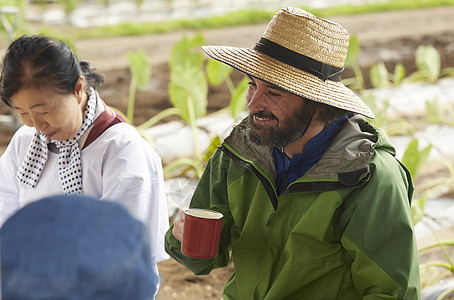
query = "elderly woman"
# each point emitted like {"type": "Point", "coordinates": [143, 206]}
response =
{"type": "Point", "coordinates": [72, 143]}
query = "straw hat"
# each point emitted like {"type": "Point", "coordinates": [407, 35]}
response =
{"type": "Point", "coordinates": [300, 53]}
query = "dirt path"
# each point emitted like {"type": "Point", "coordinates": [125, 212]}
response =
{"type": "Point", "coordinates": [372, 30]}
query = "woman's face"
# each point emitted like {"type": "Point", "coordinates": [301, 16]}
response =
{"type": "Point", "coordinates": [57, 116]}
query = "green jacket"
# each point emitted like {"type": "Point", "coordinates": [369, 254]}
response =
{"type": "Point", "coordinates": [342, 231]}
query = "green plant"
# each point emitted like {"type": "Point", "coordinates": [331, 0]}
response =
{"type": "Point", "coordinates": [238, 99]}
{"type": "Point", "coordinates": [188, 92]}
{"type": "Point", "coordinates": [19, 3]}
{"type": "Point", "coordinates": [11, 16]}
{"type": "Point", "coordinates": [427, 60]}
{"type": "Point", "coordinates": [188, 88]}
{"type": "Point", "coordinates": [417, 208]}
{"type": "Point", "coordinates": [140, 70]}
{"type": "Point", "coordinates": [447, 72]}
{"type": "Point", "coordinates": [429, 271]}
{"type": "Point", "coordinates": [139, 4]}
{"type": "Point", "coordinates": [391, 125]}
{"type": "Point", "coordinates": [438, 113]}
{"type": "Point", "coordinates": [218, 73]}
{"type": "Point", "coordinates": [399, 74]}
{"type": "Point", "coordinates": [105, 3]}
{"type": "Point", "coordinates": [439, 184]}
{"type": "Point", "coordinates": [380, 109]}
{"type": "Point", "coordinates": [414, 159]}
{"type": "Point", "coordinates": [380, 77]}
{"type": "Point", "coordinates": [355, 83]}
{"type": "Point", "coordinates": [69, 6]}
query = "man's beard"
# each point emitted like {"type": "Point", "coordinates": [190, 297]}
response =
{"type": "Point", "coordinates": [283, 133]}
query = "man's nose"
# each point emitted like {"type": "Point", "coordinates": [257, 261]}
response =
{"type": "Point", "coordinates": [256, 101]}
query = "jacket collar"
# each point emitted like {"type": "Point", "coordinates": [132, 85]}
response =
{"type": "Point", "coordinates": [347, 159]}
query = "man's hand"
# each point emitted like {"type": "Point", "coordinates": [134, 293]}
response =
{"type": "Point", "coordinates": [178, 226]}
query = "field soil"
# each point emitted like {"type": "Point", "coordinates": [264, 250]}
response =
{"type": "Point", "coordinates": [389, 37]}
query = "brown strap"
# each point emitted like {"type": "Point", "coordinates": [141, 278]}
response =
{"type": "Point", "coordinates": [107, 118]}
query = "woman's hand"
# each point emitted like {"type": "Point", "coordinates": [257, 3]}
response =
{"type": "Point", "coordinates": [178, 226]}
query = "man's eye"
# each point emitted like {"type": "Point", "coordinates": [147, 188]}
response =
{"type": "Point", "coordinates": [274, 94]}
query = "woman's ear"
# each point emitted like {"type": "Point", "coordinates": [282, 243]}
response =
{"type": "Point", "coordinates": [79, 89]}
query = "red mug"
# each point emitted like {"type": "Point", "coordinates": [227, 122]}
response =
{"type": "Point", "coordinates": [201, 234]}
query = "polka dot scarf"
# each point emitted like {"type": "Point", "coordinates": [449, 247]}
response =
{"type": "Point", "coordinates": [69, 166]}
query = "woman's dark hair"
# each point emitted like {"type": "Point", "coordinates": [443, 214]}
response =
{"type": "Point", "coordinates": [43, 62]}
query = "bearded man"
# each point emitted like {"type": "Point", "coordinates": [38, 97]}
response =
{"type": "Point", "coordinates": [315, 203]}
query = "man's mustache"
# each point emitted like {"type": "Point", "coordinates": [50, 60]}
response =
{"type": "Point", "coordinates": [264, 115]}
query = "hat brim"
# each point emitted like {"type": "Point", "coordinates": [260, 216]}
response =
{"type": "Point", "coordinates": [291, 79]}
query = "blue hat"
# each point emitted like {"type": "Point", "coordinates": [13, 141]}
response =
{"type": "Point", "coordinates": [76, 247]}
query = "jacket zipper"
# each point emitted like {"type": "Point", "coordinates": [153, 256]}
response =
{"type": "Point", "coordinates": [265, 182]}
